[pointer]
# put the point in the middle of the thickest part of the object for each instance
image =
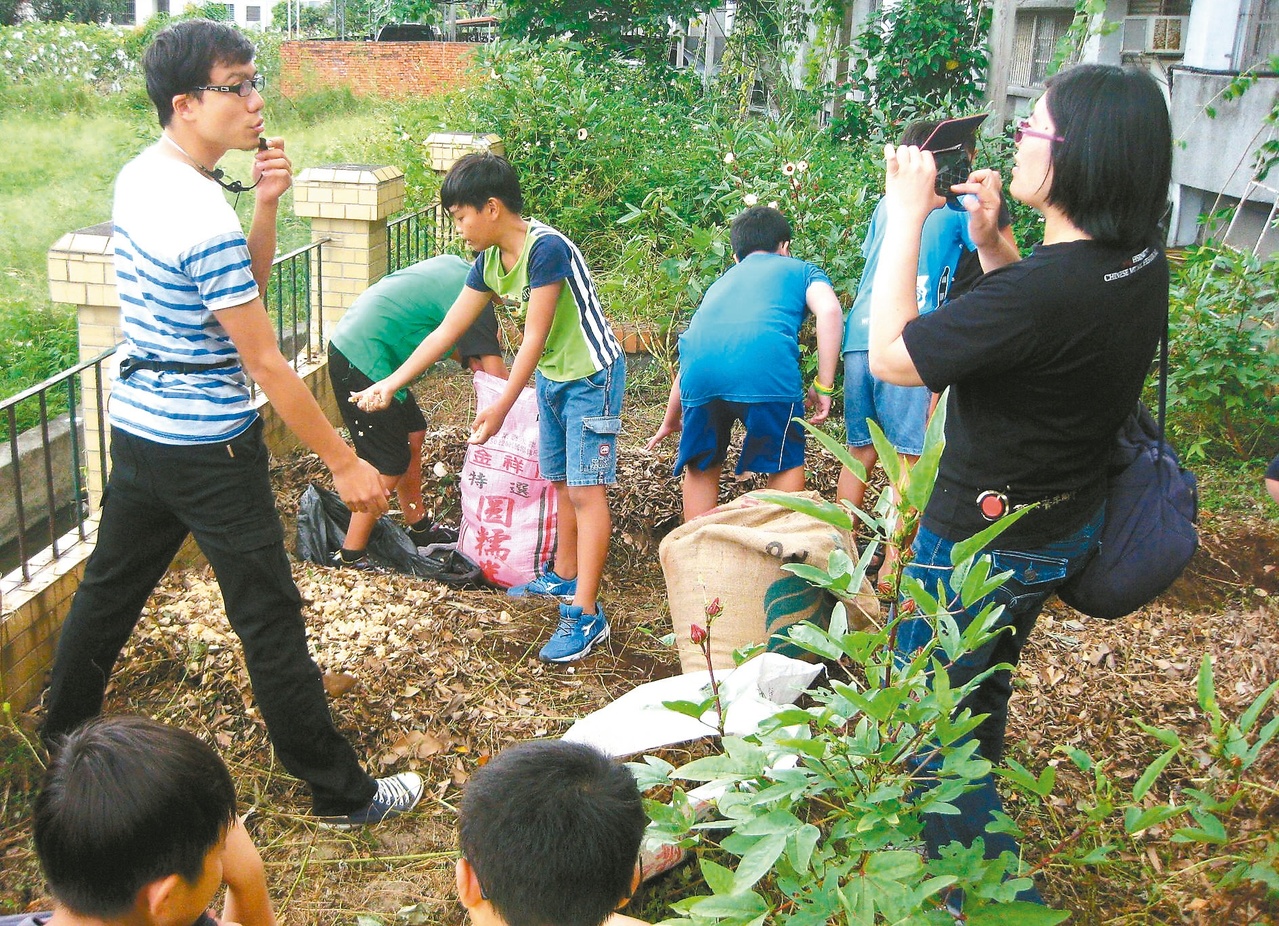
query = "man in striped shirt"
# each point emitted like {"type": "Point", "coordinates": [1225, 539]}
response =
{"type": "Point", "coordinates": [187, 452]}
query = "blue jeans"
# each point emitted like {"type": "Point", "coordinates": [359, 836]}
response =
{"type": "Point", "coordinates": [577, 426]}
{"type": "Point", "coordinates": [1035, 575]}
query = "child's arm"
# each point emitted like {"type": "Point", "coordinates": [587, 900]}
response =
{"type": "Point", "coordinates": [674, 420]}
{"type": "Point", "coordinates": [461, 315]}
{"type": "Point", "coordinates": [247, 901]}
{"type": "Point", "coordinates": [537, 326]}
{"type": "Point", "coordinates": [824, 305]}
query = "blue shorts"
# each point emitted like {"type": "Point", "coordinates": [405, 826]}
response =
{"type": "Point", "coordinates": [774, 443]}
{"type": "Point", "coordinates": [901, 411]}
{"type": "Point", "coordinates": [577, 426]}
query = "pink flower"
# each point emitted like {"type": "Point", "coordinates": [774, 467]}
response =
{"type": "Point", "coordinates": [714, 609]}
{"type": "Point", "coordinates": [698, 634]}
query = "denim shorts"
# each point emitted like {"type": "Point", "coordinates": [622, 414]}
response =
{"type": "Point", "coordinates": [578, 424]}
{"type": "Point", "coordinates": [901, 411]}
{"type": "Point", "coordinates": [773, 444]}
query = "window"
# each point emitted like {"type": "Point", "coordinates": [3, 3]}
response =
{"type": "Point", "coordinates": [1258, 34]}
{"type": "Point", "coordinates": [230, 12]}
{"type": "Point", "coordinates": [1035, 43]}
{"type": "Point", "coordinates": [162, 6]}
{"type": "Point", "coordinates": [253, 14]}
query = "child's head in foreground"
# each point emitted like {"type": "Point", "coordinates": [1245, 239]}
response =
{"type": "Point", "coordinates": [132, 819]}
{"type": "Point", "coordinates": [759, 228]}
{"type": "Point", "coordinates": [550, 834]}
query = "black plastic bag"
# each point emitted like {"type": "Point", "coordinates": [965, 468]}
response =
{"type": "Point", "coordinates": [322, 525]}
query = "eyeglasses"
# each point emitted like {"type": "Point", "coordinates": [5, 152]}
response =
{"type": "Point", "coordinates": [1023, 129]}
{"type": "Point", "coordinates": [243, 88]}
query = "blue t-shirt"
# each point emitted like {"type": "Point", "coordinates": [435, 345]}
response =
{"type": "Point", "coordinates": [743, 342]}
{"type": "Point", "coordinates": [943, 241]}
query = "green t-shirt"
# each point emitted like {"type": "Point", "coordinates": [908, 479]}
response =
{"type": "Point", "coordinates": [581, 341]}
{"type": "Point", "coordinates": [393, 316]}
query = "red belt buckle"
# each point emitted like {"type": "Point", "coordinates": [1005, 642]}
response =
{"type": "Point", "coordinates": [992, 505]}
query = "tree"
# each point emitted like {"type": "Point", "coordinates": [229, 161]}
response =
{"type": "Point", "coordinates": [82, 11]}
{"type": "Point", "coordinates": [635, 27]}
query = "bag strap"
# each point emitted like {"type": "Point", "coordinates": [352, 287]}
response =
{"type": "Point", "coordinates": [1163, 379]}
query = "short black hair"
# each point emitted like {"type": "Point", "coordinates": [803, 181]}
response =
{"type": "Point", "coordinates": [918, 131]}
{"type": "Point", "coordinates": [552, 831]}
{"type": "Point", "coordinates": [127, 801]}
{"type": "Point", "coordinates": [183, 55]}
{"type": "Point", "coordinates": [476, 178]}
{"type": "Point", "coordinates": [759, 228]}
{"type": "Point", "coordinates": [1110, 174]}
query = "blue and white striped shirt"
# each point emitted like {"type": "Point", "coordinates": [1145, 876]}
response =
{"type": "Point", "coordinates": [180, 256]}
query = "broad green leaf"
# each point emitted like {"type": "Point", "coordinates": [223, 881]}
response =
{"type": "Point", "coordinates": [1017, 913]}
{"type": "Point", "coordinates": [718, 878]}
{"type": "Point", "coordinates": [759, 860]}
{"type": "Point", "coordinates": [1137, 819]}
{"type": "Point", "coordinates": [967, 549]}
{"type": "Point", "coordinates": [821, 510]}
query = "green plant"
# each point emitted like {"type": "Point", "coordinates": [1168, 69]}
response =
{"type": "Point", "coordinates": [1224, 354]}
{"type": "Point", "coordinates": [821, 812]}
{"type": "Point", "coordinates": [915, 55]}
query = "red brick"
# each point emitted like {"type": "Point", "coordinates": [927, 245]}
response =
{"type": "Point", "coordinates": [389, 69]}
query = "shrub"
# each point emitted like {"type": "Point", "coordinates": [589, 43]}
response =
{"type": "Point", "coordinates": [1223, 379]}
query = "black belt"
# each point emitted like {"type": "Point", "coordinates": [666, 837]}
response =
{"type": "Point", "coordinates": [131, 365]}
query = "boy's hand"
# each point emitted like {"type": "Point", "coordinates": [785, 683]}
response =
{"type": "Point", "coordinates": [818, 406]}
{"type": "Point", "coordinates": [487, 423]}
{"type": "Point", "coordinates": [664, 431]}
{"type": "Point", "coordinates": [272, 171]}
{"type": "Point", "coordinates": [247, 899]}
{"type": "Point", "coordinates": [374, 399]}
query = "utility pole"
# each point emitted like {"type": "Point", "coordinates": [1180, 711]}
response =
{"type": "Point", "coordinates": [1002, 31]}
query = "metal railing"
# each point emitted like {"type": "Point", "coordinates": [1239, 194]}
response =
{"type": "Point", "coordinates": [417, 236]}
{"type": "Point", "coordinates": [59, 508]}
{"type": "Point", "coordinates": [292, 303]}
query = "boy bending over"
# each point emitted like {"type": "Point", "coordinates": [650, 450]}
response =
{"type": "Point", "coordinates": [581, 374]}
{"type": "Point", "coordinates": [375, 336]}
{"type": "Point", "coordinates": [739, 361]}
{"type": "Point", "coordinates": [550, 835]}
{"type": "Point", "coordinates": [136, 824]}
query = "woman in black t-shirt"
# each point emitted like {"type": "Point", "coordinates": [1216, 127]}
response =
{"type": "Point", "coordinates": [1044, 358]}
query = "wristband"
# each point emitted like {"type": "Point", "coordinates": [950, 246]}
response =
{"type": "Point", "coordinates": [821, 389]}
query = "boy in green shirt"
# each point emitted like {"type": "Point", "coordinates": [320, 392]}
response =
{"type": "Point", "coordinates": [581, 374]}
{"type": "Point", "coordinates": [374, 337]}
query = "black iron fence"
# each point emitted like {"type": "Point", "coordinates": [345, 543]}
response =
{"type": "Point", "coordinates": [417, 236]}
{"type": "Point", "coordinates": [46, 481]}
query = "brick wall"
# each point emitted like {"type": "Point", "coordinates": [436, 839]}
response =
{"type": "Point", "coordinates": [377, 68]}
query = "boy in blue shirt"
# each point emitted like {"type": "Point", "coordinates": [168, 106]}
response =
{"type": "Point", "coordinates": [581, 375]}
{"type": "Point", "coordinates": [901, 411]}
{"type": "Point", "coordinates": [739, 361]}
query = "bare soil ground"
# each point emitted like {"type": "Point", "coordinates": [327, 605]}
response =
{"type": "Point", "coordinates": [423, 677]}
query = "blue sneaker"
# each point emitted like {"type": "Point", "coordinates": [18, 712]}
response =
{"type": "Point", "coordinates": [547, 585]}
{"type": "Point", "coordinates": [576, 634]}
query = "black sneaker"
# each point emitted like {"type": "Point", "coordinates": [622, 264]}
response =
{"type": "Point", "coordinates": [425, 536]}
{"type": "Point", "coordinates": [362, 562]}
{"type": "Point", "coordinates": [395, 795]}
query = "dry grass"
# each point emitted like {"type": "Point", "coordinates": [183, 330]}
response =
{"type": "Point", "coordinates": [437, 680]}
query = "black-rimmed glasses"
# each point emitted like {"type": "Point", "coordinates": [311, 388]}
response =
{"type": "Point", "coordinates": [243, 88]}
{"type": "Point", "coordinates": [1022, 129]}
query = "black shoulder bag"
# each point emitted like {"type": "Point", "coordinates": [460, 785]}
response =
{"type": "Point", "coordinates": [1149, 533]}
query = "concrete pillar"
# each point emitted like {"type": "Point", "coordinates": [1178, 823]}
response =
{"type": "Point", "coordinates": [348, 204]}
{"type": "Point", "coordinates": [82, 274]}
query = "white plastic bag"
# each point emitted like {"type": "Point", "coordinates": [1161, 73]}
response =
{"type": "Point", "coordinates": [508, 509]}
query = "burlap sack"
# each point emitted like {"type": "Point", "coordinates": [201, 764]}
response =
{"type": "Point", "coordinates": [735, 553]}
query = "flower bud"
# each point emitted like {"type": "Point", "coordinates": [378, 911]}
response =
{"type": "Point", "coordinates": [714, 609]}
{"type": "Point", "coordinates": [698, 634]}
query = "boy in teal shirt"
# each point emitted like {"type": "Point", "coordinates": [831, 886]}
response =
{"type": "Point", "coordinates": [581, 375]}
